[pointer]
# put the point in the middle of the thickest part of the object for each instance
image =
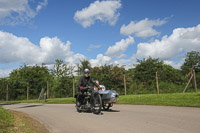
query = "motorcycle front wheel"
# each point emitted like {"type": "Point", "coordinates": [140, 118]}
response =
{"type": "Point", "coordinates": [96, 103]}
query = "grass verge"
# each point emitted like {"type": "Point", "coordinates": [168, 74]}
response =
{"type": "Point", "coordinates": [6, 121]}
{"type": "Point", "coordinates": [17, 122]}
{"type": "Point", "coordinates": [25, 124]}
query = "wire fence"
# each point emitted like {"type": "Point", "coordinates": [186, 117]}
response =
{"type": "Point", "coordinates": [68, 87]}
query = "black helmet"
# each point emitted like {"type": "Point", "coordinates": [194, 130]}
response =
{"type": "Point", "coordinates": [86, 71]}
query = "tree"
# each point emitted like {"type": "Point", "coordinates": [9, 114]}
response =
{"type": "Point", "coordinates": [109, 75]}
{"type": "Point", "coordinates": [192, 59]}
{"type": "Point", "coordinates": [3, 82]}
{"type": "Point", "coordinates": [33, 76]}
{"type": "Point", "coordinates": [63, 77]}
{"type": "Point", "coordinates": [146, 70]}
{"type": "Point", "coordinates": [82, 66]}
{"type": "Point", "coordinates": [60, 69]}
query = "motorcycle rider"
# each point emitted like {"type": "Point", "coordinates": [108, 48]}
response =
{"type": "Point", "coordinates": [86, 80]}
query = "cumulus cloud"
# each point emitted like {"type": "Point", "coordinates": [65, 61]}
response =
{"type": "Point", "coordinates": [53, 48]}
{"type": "Point", "coordinates": [18, 11]}
{"type": "Point", "coordinates": [143, 28]}
{"type": "Point", "coordinates": [92, 46]}
{"type": "Point", "coordinates": [20, 49]}
{"type": "Point", "coordinates": [14, 49]}
{"type": "Point", "coordinates": [41, 5]}
{"type": "Point", "coordinates": [100, 60]}
{"type": "Point", "coordinates": [5, 72]}
{"type": "Point", "coordinates": [176, 65]}
{"type": "Point", "coordinates": [119, 47]}
{"type": "Point", "coordinates": [181, 40]}
{"type": "Point", "coordinates": [104, 11]}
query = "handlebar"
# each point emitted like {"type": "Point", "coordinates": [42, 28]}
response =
{"type": "Point", "coordinates": [87, 88]}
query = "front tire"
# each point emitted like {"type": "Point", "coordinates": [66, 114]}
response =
{"type": "Point", "coordinates": [96, 104]}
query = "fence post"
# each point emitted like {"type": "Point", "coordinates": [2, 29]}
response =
{"type": "Point", "coordinates": [125, 84]}
{"type": "Point", "coordinates": [157, 82]}
{"type": "Point", "coordinates": [47, 89]}
{"type": "Point", "coordinates": [73, 87]}
{"type": "Point", "coordinates": [7, 91]}
{"type": "Point", "coordinates": [27, 91]}
{"type": "Point", "coordinates": [188, 83]}
{"type": "Point", "coordinates": [195, 82]}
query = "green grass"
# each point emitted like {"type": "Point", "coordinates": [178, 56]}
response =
{"type": "Point", "coordinates": [172, 99]}
{"type": "Point", "coordinates": [6, 120]}
{"type": "Point", "coordinates": [175, 99]}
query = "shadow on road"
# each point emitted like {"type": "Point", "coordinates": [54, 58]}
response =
{"type": "Point", "coordinates": [30, 106]}
{"type": "Point", "coordinates": [110, 110]}
{"type": "Point", "coordinates": [1, 104]}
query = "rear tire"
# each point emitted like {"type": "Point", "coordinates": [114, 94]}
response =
{"type": "Point", "coordinates": [96, 103]}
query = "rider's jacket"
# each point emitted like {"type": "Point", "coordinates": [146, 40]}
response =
{"type": "Point", "coordinates": [85, 81]}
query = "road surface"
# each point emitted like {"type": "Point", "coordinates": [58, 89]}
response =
{"type": "Point", "coordinates": [63, 118]}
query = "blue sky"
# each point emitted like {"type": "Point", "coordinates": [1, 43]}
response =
{"type": "Point", "coordinates": [104, 32]}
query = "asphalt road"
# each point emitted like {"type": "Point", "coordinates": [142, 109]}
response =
{"type": "Point", "coordinates": [63, 118]}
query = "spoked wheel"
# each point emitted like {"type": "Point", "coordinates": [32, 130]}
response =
{"type": "Point", "coordinates": [78, 104]}
{"type": "Point", "coordinates": [96, 103]}
{"type": "Point", "coordinates": [106, 106]}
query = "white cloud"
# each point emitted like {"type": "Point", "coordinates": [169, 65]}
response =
{"type": "Point", "coordinates": [75, 58]}
{"type": "Point", "coordinates": [17, 11]}
{"type": "Point", "coordinates": [121, 56]}
{"type": "Point", "coordinates": [41, 5]}
{"type": "Point", "coordinates": [92, 46]}
{"type": "Point", "coordinates": [100, 60]}
{"type": "Point", "coordinates": [143, 28]}
{"type": "Point", "coordinates": [119, 47]}
{"type": "Point", "coordinates": [176, 65]}
{"type": "Point", "coordinates": [181, 40]}
{"type": "Point", "coordinates": [14, 49]}
{"type": "Point", "coordinates": [5, 72]}
{"type": "Point", "coordinates": [53, 48]}
{"type": "Point", "coordinates": [104, 11]}
{"type": "Point", "coordinates": [20, 49]}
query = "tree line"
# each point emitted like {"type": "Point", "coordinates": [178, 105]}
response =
{"type": "Point", "coordinates": [140, 79]}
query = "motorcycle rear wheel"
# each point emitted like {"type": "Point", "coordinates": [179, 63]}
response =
{"type": "Point", "coordinates": [78, 104]}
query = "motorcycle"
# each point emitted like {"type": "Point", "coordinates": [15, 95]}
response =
{"type": "Point", "coordinates": [88, 100]}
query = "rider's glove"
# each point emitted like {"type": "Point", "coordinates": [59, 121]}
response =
{"type": "Point", "coordinates": [99, 88]}
{"type": "Point", "coordinates": [81, 87]}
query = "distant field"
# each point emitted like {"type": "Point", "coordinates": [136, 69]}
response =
{"type": "Point", "coordinates": [175, 99]}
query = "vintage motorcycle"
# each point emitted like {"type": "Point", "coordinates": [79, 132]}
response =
{"type": "Point", "coordinates": [88, 100]}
